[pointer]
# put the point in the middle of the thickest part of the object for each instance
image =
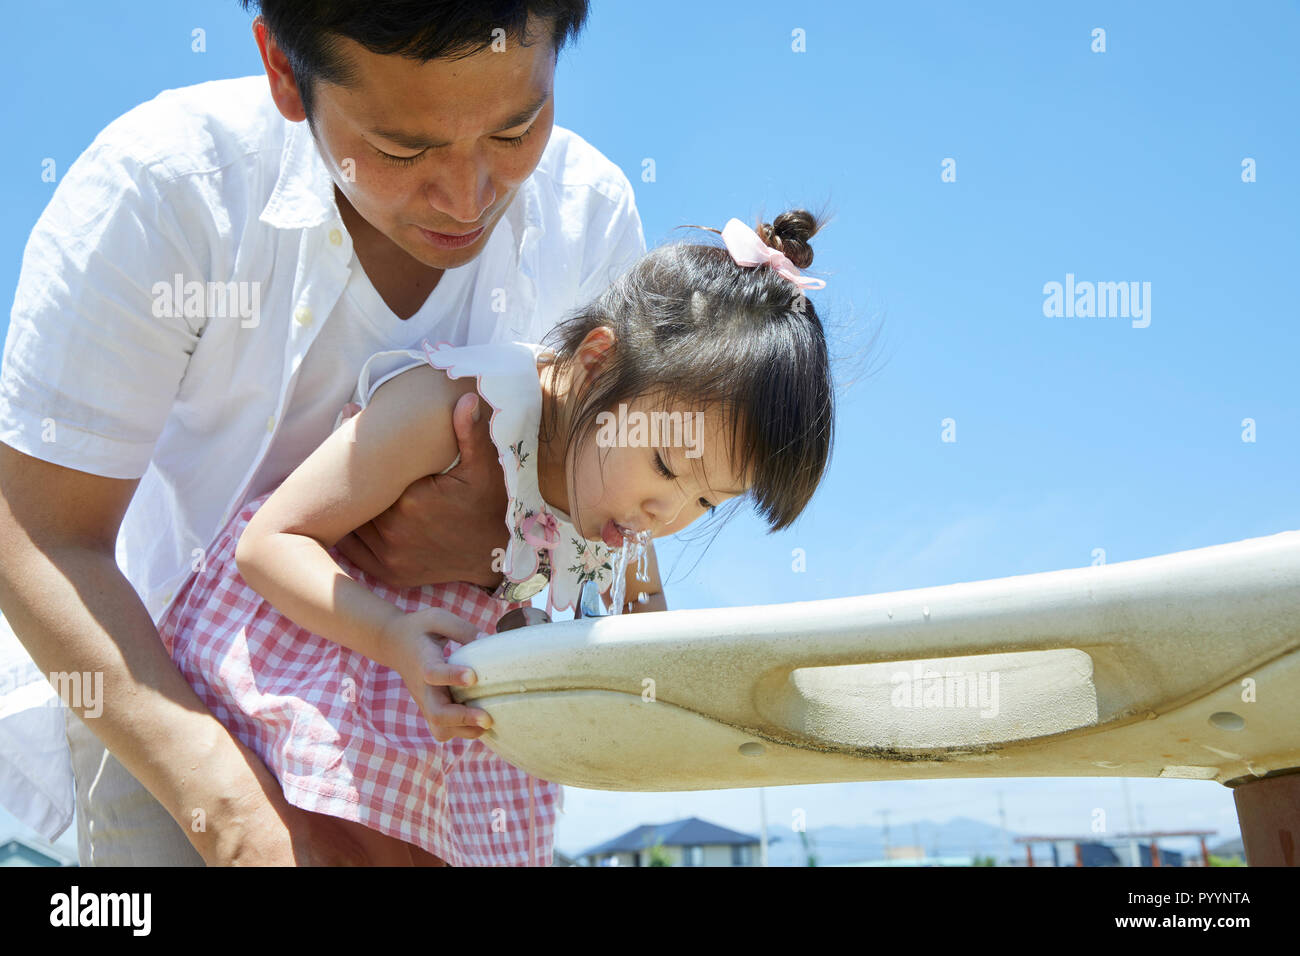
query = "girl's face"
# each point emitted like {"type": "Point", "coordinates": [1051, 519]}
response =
{"type": "Point", "coordinates": [647, 468]}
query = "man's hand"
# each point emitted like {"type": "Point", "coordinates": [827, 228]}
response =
{"type": "Point", "coordinates": [444, 527]}
{"type": "Point", "coordinates": [258, 827]}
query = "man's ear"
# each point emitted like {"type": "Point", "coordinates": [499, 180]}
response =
{"type": "Point", "coordinates": [284, 87]}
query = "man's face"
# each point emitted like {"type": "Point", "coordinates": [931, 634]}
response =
{"type": "Point", "coordinates": [435, 147]}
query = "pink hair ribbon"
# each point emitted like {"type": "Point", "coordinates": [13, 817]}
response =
{"type": "Point", "coordinates": [748, 249]}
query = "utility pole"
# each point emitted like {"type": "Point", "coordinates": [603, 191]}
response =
{"type": "Point", "coordinates": [1002, 817]}
{"type": "Point", "coordinates": [1134, 858]}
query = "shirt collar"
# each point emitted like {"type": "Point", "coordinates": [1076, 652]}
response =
{"type": "Point", "coordinates": [304, 193]}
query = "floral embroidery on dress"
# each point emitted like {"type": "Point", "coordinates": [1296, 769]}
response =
{"type": "Point", "coordinates": [592, 562]}
{"type": "Point", "coordinates": [520, 513]}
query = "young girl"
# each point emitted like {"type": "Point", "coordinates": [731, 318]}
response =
{"type": "Point", "coordinates": [326, 672]}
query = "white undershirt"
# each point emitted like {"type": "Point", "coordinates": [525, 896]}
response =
{"type": "Point", "coordinates": [361, 325]}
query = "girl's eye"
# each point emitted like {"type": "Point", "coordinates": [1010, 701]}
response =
{"type": "Point", "coordinates": [663, 470]}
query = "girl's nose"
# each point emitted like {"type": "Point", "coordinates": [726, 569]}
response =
{"type": "Point", "coordinates": [664, 514]}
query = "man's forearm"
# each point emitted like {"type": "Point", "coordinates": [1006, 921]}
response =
{"type": "Point", "coordinates": [76, 614]}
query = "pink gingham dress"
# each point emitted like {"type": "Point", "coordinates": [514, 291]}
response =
{"type": "Point", "coordinates": [343, 734]}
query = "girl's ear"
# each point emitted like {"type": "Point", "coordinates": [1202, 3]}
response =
{"type": "Point", "coordinates": [596, 348]}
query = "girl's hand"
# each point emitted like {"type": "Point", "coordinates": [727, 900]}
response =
{"type": "Point", "coordinates": [418, 639]}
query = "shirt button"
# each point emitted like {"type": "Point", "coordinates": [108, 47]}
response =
{"type": "Point", "coordinates": [302, 315]}
{"type": "Point", "coordinates": [270, 424]}
{"type": "Point", "coordinates": [336, 238]}
{"type": "Point", "coordinates": [168, 598]}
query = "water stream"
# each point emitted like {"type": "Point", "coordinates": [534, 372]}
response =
{"type": "Point", "coordinates": [634, 547]}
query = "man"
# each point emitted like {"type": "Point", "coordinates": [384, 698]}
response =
{"type": "Point", "coordinates": [192, 312]}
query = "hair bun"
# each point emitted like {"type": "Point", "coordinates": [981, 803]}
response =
{"type": "Point", "coordinates": [789, 234]}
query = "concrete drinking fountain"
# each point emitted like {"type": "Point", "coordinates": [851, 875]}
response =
{"type": "Point", "coordinates": [1185, 665]}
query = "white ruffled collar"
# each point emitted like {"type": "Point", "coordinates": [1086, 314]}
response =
{"type": "Point", "coordinates": [506, 375]}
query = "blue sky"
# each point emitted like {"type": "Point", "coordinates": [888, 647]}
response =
{"type": "Point", "coordinates": [1072, 433]}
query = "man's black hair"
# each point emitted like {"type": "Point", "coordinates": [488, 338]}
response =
{"type": "Point", "coordinates": [307, 30]}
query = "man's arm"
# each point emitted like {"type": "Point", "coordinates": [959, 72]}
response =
{"type": "Point", "coordinates": [75, 612]}
{"type": "Point", "coordinates": [89, 354]}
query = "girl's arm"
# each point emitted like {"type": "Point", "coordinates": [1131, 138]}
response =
{"type": "Point", "coordinates": [653, 589]}
{"type": "Point", "coordinates": [358, 472]}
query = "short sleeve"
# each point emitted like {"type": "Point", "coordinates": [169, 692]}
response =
{"type": "Point", "coordinates": [378, 369]}
{"type": "Point", "coordinates": [95, 353]}
{"type": "Point", "coordinates": [612, 245]}
{"type": "Point", "coordinates": [382, 366]}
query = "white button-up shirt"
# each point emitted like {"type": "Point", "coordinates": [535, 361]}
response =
{"type": "Point", "coordinates": [173, 286]}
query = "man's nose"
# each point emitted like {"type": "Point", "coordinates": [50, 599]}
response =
{"type": "Point", "coordinates": [462, 189]}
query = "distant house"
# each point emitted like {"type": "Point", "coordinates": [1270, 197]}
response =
{"type": "Point", "coordinates": [689, 842]}
{"type": "Point", "coordinates": [1122, 849]}
{"type": "Point", "coordinates": [18, 852]}
{"type": "Point", "coordinates": [1120, 854]}
{"type": "Point", "coordinates": [914, 861]}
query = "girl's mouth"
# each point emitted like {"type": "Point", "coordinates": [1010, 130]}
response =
{"type": "Point", "coordinates": [612, 534]}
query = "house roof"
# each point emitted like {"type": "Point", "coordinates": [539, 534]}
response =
{"type": "Point", "coordinates": [691, 831]}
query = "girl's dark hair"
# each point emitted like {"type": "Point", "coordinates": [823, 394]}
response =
{"type": "Point", "coordinates": [694, 329]}
{"type": "Point", "coordinates": [307, 30]}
